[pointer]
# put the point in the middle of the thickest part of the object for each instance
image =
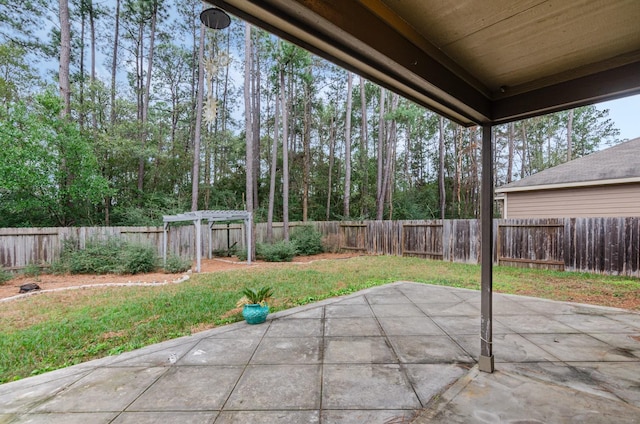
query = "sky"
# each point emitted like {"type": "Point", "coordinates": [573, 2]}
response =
{"type": "Point", "coordinates": [625, 113]}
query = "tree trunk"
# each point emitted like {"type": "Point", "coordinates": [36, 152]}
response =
{"type": "Point", "coordinates": [285, 159]}
{"type": "Point", "coordinates": [381, 150]}
{"type": "Point", "coordinates": [147, 93]}
{"type": "Point", "coordinates": [195, 57]}
{"type": "Point", "coordinates": [347, 147]}
{"type": "Point", "coordinates": [92, 30]}
{"type": "Point", "coordinates": [195, 172]}
{"type": "Point", "coordinates": [457, 182]}
{"type": "Point", "coordinates": [441, 163]}
{"type": "Point", "coordinates": [570, 135]}
{"type": "Point", "coordinates": [474, 190]}
{"type": "Point", "coordinates": [364, 151]}
{"type": "Point", "coordinates": [332, 148]}
{"type": "Point", "coordinates": [112, 112]}
{"type": "Point", "coordinates": [248, 119]}
{"type": "Point", "coordinates": [81, 108]}
{"type": "Point", "coordinates": [306, 142]}
{"type": "Point", "coordinates": [511, 144]}
{"type": "Point", "coordinates": [274, 166]}
{"type": "Point", "coordinates": [114, 64]}
{"type": "Point", "coordinates": [225, 91]}
{"type": "Point", "coordinates": [65, 58]}
{"type": "Point", "coordinates": [523, 164]}
{"type": "Point", "coordinates": [389, 166]}
{"type": "Point", "coordinates": [152, 38]}
{"type": "Point", "coordinates": [65, 93]}
{"type": "Point", "coordinates": [408, 178]}
{"type": "Point", "coordinates": [255, 118]}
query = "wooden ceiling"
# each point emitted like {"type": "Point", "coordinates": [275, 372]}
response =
{"type": "Point", "coordinates": [476, 62]}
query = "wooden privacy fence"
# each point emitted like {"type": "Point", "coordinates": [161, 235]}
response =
{"type": "Point", "coordinates": [449, 240]}
{"type": "Point", "coordinates": [20, 247]}
{"type": "Point", "coordinates": [536, 245]}
{"type": "Point", "coordinates": [602, 245]}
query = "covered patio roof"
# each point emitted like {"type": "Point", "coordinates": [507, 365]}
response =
{"type": "Point", "coordinates": [475, 62]}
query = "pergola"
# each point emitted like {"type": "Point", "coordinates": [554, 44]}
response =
{"type": "Point", "coordinates": [475, 62]}
{"type": "Point", "coordinates": [211, 217]}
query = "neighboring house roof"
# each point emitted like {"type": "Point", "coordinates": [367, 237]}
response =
{"type": "Point", "coordinates": [615, 165]}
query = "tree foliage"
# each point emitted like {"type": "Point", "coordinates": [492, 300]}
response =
{"type": "Point", "coordinates": [48, 171]}
{"type": "Point", "coordinates": [126, 153]}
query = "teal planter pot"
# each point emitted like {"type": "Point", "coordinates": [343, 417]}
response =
{"type": "Point", "coordinates": [255, 313]}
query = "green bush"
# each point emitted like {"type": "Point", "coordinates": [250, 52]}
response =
{"type": "Point", "coordinates": [281, 251]}
{"type": "Point", "coordinates": [176, 264]}
{"type": "Point", "coordinates": [59, 267]}
{"type": "Point", "coordinates": [242, 255]}
{"type": "Point", "coordinates": [109, 256]}
{"type": "Point", "coordinates": [139, 259]}
{"type": "Point", "coordinates": [308, 240]}
{"type": "Point", "coordinates": [32, 270]}
{"type": "Point", "coordinates": [4, 275]}
{"type": "Point", "coordinates": [98, 257]}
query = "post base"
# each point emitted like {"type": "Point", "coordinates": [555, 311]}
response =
{"type": "Point", "coordinates": [485, 364]}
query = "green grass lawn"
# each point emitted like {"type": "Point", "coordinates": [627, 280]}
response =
{"type": "Point", "coordinates": [54, 330]}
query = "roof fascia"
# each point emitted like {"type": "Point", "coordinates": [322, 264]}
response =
{"type": "Point", "coordinates": [599, 87]}
{"type": "Point", "coordinates": [569, 185]}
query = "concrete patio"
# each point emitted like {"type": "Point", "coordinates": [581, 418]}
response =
{"type": "Point", "coordinates": [399, 353]}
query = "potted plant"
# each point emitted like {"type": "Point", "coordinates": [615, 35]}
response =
{"type": "Point", "coordinates": [254, 304]}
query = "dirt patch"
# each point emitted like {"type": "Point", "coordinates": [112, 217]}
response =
{"type": "Point", "coordinates": [51, 282]}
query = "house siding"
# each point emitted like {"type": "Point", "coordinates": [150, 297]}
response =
{"type": "Point", "coordinates": [597, 201]}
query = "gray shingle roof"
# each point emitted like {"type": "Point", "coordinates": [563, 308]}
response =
{"type": "Point", "coordinates": [618, 162]}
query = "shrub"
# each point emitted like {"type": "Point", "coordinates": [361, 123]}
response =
{"type": "Point", "coordinates": [4, 275]}
{"type": "Point", "coordinates": [281, 251]}
{"type": "Point", "coordinates": [31, 270]}
{"type": "Point", "coordinates": [109, 256]}
{"type": "Point", "coordinates": [242, 255]}
{"type": "Point", "coordinates": [69, 247]}
{"type": "Point", "coordinates": [139, 259]}
{"type": "Point", "coordinates": [308, 240]}
{"type": "Point", "coordinates": [98, 257]}
{"type": "Point", "coordinates": [176, 264]}
{"type": "Point", "coordinates": [59, 267]}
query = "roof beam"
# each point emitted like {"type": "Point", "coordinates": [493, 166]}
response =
{"type": "Point", "coordinates": [602, 86]}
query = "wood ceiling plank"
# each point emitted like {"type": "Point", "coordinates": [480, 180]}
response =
{"type": "Point", "coordinates": [547, 40]}
{"type": "Point", "coordinates": [444, 22]}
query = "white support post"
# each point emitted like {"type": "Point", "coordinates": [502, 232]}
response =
{"type": "Point", "coordinates": [209, 225]}
{"type": "Point", "coordinates": [165, 227]}
{"type": "Point", "coordinates": [248, 225]}
{"type": "Point", "coordinates": [198, 226]}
